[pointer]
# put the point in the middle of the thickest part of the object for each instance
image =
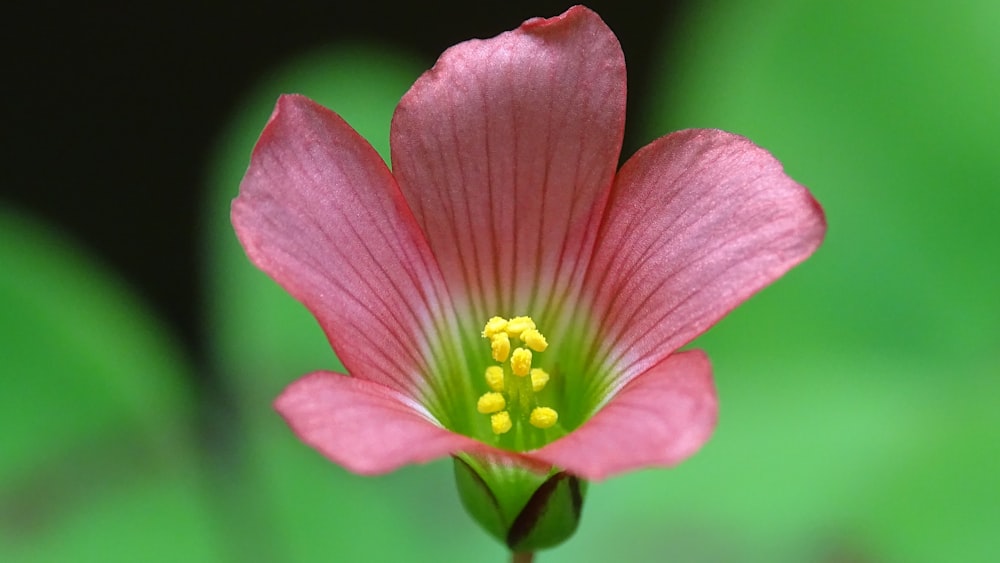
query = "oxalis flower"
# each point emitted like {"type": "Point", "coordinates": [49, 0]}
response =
{"type": "Point", "coordinates": [502, 295]}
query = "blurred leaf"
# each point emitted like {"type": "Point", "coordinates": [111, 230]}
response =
{"type": "Point", "coordinates": [887, 111]}
{"type": "Point", "coordinates": [814, 467]}
{"type": "Point", "coordinates": [855, 422]}
{"type": "Point", "coordinates": [98, 458]}
{"type": "Point", "coordinates": [309, 508]}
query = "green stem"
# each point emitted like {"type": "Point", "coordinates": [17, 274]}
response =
{"type": "Point", "coordinates": [522, 557]}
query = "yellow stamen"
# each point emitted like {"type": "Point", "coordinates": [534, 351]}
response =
{"type": "Point", "coordinates": [493, 326]}
{"type": "Point", "coordinates": [494, 378]}
{"type": "Point", "coordinates": [543, 417]}
{"type": "Point", "coordinates": [516, 326]}
{"type": "Point", "coordinates": [500, 343]}
{"type": "Point", "coordinates": [500, 422]}
{"type": "Point", "coordinates": [491, 402]}
{"type": "Point", "coordinates": [539, 377]}
{"type": "Point", "coordinates": [534, 340]}
{"type": "Point", "coordinates": [515, 339]}
{"type": "Point", "coordinates": [520, 362]}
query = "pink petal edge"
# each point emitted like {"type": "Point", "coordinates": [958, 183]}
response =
{"type": "Point", "coordinates": [370, 429]}
{"type": "Point", "coordinates": [511, 139]}
{"type": "Point", "coordinates": [660, 418]}
{"type": "Point", "coordinates": [698, 222]}
{"type": "Point", "coordinates": [319, 211]}
{"type": "Point", "coordinates": [363, 426]}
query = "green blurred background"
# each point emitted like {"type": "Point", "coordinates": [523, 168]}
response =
{"type": "Point", "coordinates": [860, 399]}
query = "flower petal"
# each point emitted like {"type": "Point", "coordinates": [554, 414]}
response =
{"type": "Point", "coordinates": [660, 418]}
{"type": "Point", "coordinates": [319, 211]}
{"type": "Point", "coordinates": [698, 221]}
{"type": "Point", "coordinates": [365, 427]}
{"type": "Point", "coordinates": [506, 150]}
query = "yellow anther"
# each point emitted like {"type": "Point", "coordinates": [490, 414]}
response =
{"type": "Point", "coordinates": [515, 339]}
{"type": "Point", "coordinates": [520, 362]}
{"type": "Point", "coordinates": [543, 417]}
{"type": "Point", "coordinates": [500, 422]}
{"type": "Point", "coordinates": [516, 326]}
{"type": "Point", "coordinates": [494, 378]}
{"type": "Point", "coordinates": [493, 326]}
{"type": "Point", "coordinates": [534, 340]}
{"type": "Point", "coordinates": [539, 377]}
{"type": "Point", "coordinates": [491, 402]}
{"type": "Point", "coordinates": [500, 343]}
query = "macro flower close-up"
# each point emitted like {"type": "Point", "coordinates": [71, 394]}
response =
{"type": "Point", "coordinates": [505, 294]}
{"type": "Point", "coordinates": [382, 282]}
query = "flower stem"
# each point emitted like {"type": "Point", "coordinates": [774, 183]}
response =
{"type": "Point", "coordinates": [522, 557]}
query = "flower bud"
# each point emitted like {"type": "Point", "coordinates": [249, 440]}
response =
{"type": "Point", "coordinates": [525, 510]}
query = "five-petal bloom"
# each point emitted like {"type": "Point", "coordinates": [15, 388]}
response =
{"type": "Point", "coordinates": [503, 200]}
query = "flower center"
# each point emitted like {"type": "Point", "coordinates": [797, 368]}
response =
{"type": "Point", "coordinates": [515, 385]}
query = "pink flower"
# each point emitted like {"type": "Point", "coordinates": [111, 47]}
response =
{"type": "Point", "coordinates": [503, 200]}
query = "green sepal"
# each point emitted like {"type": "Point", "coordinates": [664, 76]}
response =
{"type": "Point", "coordinates": [551, 515]}
{"type": "Point", "coordinates": [524, 509]}
{"type": "Point", "coordinates": [479, 500]}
